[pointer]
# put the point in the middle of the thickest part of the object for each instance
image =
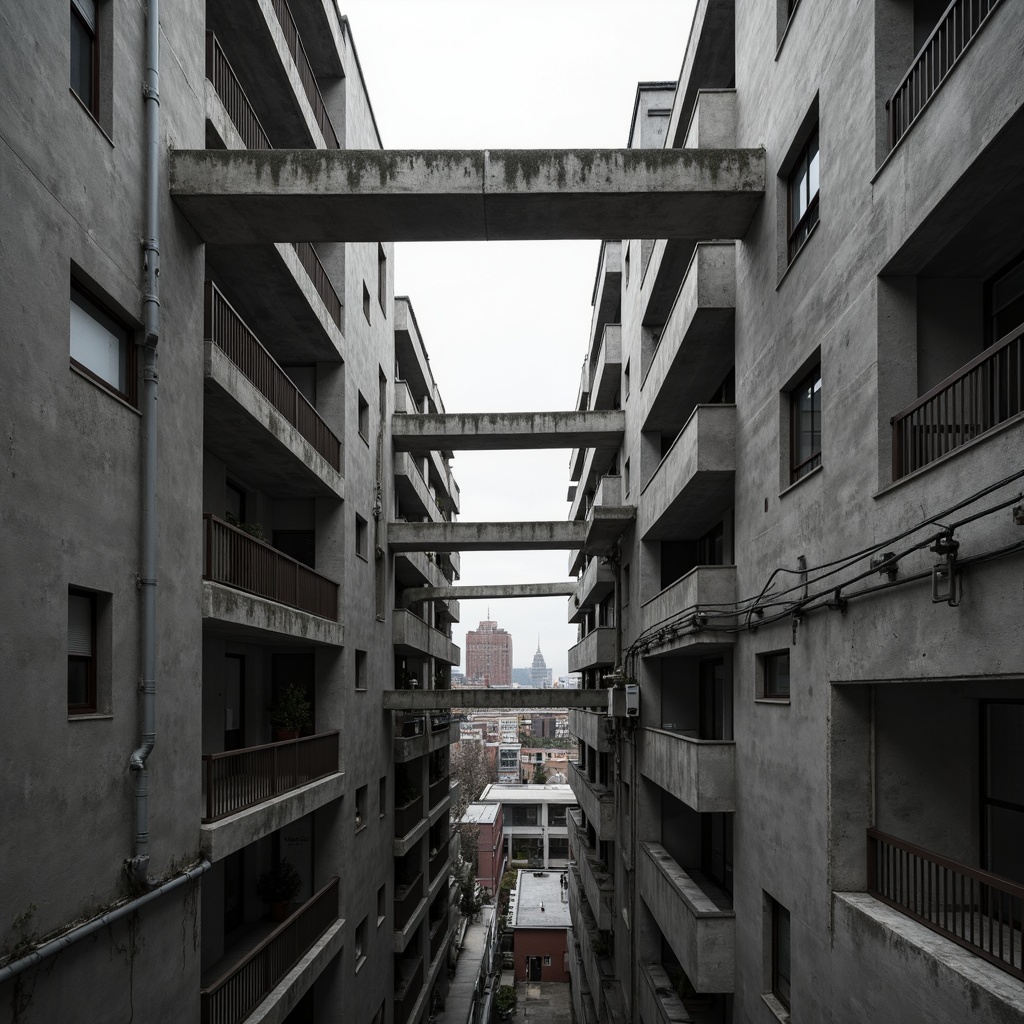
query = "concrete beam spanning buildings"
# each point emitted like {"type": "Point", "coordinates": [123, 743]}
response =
{"type": "Point", "coordinates": [506, 431]}
{"type": "Point", "coordinates": [552, 535]}
{"type": "Point", "coordinates": [493, 697]}
{"type": "Point", "coordinates": [311, 195]}
{"type": "Point", "coordinates": [413, 595]}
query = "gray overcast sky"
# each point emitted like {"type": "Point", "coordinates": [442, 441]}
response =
{"type": "Point", "coordinates": [506, 323]}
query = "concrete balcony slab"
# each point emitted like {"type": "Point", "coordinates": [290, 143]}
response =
{"type": "Point", "coordinates": [408, 748]}
{"type": "Point", "coordinates": [598, 885]}
{"type": "Point", "coordinates": [713, 121]}
{"type": "Point", "coordinates": [246, 618]}
{"type": "Point", "coordinates": [412, 489]}
{"type": "Point", "coordinates": [606, 298]}
{"type": "Point", "coordinates": [706, 590]}
{"type": "Point", "coordinates": [597, 802]}
{"type": "Point", "coordinates": [659, 1003]}
{"type": "Point", "coordinates": [597, 582]}
{"type": "Point", "coordinates": [411, 635]}
{"type": "Point", "coordinates": [700, 773]}
{"type": "Point", "coordinates": [693, 484]}
{"type": "Point", "coordinates": [607, 381]}
{"type": "Point", "coordinates": [697, 345]}
{"type": "Point", "coordinates": [243, 429]}
{"type": "Point", "coordinates": [700, 929]}
{"type": "Point", "coordinates": [507, 431]}
{"type": "Point", "coordinates": [595, 649]}
{"type": "Point", "coordinates": [257, 196]}
{"type": "Point", "coordinates": [220, 838]}
{"type": "Point", "coordinates": [591, 727]}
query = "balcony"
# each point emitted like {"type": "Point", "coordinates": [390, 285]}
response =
{"type": "Point", "coordinates": [677, 618]}
{"type": "Point", "coordinates": [238, 560]}
{"type": "Point", "coordinates": [698, 923]}
{"type": "Point", "coordinates": [607, 382]}
{"type": "Point", "coordinates": [596, 648]}
{"type": "Point", "coordinates": [407, 899]}
{"type": "Point", "coordinates": [984, 394]}
{"type": "Point", "coordinates": [590, 727]}
{"type": "Point", "coordinates": [411, 635]}
{"type": "Point", "coordinates": [234, 104]}
{"type": "Point", "coordinates": [594, 953]}
{"type": "Point", "coordinates": [408, 816]}
{"type": "Point", "coordinates": [438, 934]}
{"type": "Point", "coordinates": [597, 881]}
{"type": "Point", "coordinates": [659, 1002]}
{"type": "Point", "coordinates": [438, 863]}
{"type": "Point", "coordinates": [975, 909]}
{"type": "Point", "coordinates": [256, 418]}
{"type": "Point", "coordinates": [606, 298]}
{"type": "Point", "coordinates": [596, 801]}
{"type": "Point", "coordinates": [408, 747]}
{"type": "Point", "coordinates": [408, 983]}
{"type": "Point", "coordinates": [437, 791]}
{"type": "Point", "coordinates": [597, 582]}
{"type": "Point", "coordinates": [234, 993]}
{"type": "Point", "coordinates": [693, 484]}
{"type": "Point", "coordinates": [238, 779]}
{"type": "Point", "coordinates": [700, 773]}
{"type": "Point", "coordinates": [417, 501]}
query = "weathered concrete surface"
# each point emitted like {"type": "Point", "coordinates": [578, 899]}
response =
{"type": "Point", "coordinates": [494, 590]}
{"type": "Point", "coordinates": [448, 195]}
{"type": "Point", "coordinates": [245, 617]}
{"type": "Point", "coordinates": [596, 648]}
{"type": "Point", "coordinates": [542, 536]}
{"type": "Point", "coordinates": [410, 634]}
{"type": "Point", "coordinates": [597, 801]}
{"type": "Point", "coordinates": [543, 1002]}
{"type": "Point", "coordinates": [702, 588]}
{"type": "Point", "coordinates": [592, 728]}
{"type": "Point", "coordinates": [597, 582]}
{"type": "Point", "coordinates": [493, 697]}
{"type": "Point", "coordinates": [701, 773]}
{"type": "Point", "coordinates": [507, 431]}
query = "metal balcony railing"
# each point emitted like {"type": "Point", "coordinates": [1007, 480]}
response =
{"type": "Point", "coordinates": [988, 391]}
{"type": "Point", "coordinates": [306, 76]}
{"type": "Point", "coordinates": [321, 282]}
{"type": "Point", "coordinates": [975, 909]}
{"type": "Point", "coordinates": [241, 561]}
{"type": "Point", "coordinates": [226, 329]}
{"type": "Point", "coordinates": [958, 26]}
{"type": "Point", "coordinates": [236, 103]}
{"type": "Point", "coordinates": [236, 779]}
{"type": "Point", "coordinates": [238, 992]}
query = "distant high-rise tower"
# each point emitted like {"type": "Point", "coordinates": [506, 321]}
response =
{"type": "Point", "coordinates": [540, 674]}
{"type": "Point", "coordinates": [489, 654]}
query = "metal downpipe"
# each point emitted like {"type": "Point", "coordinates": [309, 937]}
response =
{"type": "Point", "coordinates": [138, 865]}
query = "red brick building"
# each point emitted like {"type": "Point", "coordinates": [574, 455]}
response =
{"type": "Point", "coordinates": [486, 820]}
{"type": "Point", "coordinates": [540, 920]}
{"type": "Point", "coordinates": [489, 654]}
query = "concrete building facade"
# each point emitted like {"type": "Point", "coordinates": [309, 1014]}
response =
{"type": "Point", "coordinates": [534, 823]}
{"type": "Point", "coordinates": [489, 655]}
{"type": "Point", "coordinates": [811, 815]}
{"type": "Point", "coordinates": [275, 779]}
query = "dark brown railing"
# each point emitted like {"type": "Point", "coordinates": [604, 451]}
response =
{"type": "Point", "coordinates": [241, 561]}
{"type": "Point", "coordinates": [975, 909]}
{"type": "Point", "coordinates": [406, 904]}
{"type": "Point", "coordinates": [986, 392]}
{"type": "Point", "coordinates": [438, 791]}
{"type": "Point", "coordinates": [306, 76]}
{"type": "Point", "coordinates": [407, 818]}
{"type": "Point", "coordinates": [237, 993]}
{"type": "Point", "coordinates": [321, 282]}
{"type": "Point", "coordinates": [408, 991]}
{"type": "Point", "coordinates": [956, 29]}
{"type": "Point", "coordinates": [236, 103]}
{"type": "Point", "coordinates": [226, 329]}
{"type": "Point", "coordinates": [438, 861]}
{"type": "Point", "coordinates": [236, 779]}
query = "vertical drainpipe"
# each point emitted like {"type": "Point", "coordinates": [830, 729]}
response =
{"type": "Point", "coordinates": [138, 865]}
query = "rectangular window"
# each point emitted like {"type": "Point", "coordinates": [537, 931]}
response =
{"type": "Point", "coordinates": [362, 536]}
{"type": "Point", "coordinates": [805, 425]}
{"type": "Point", "coordinates": [361, 807]}
{"type": "Point", "coordinates": [556, 816]}
{"type": "Point", "coordinates": [775, 675]}
{"type": "Point", "coordinates": [382, 905]}
{"type": "Point", "coordinates": [81, 653]}
{"type": "Point", "coordinates": [382, 795]}
{"type": "Point", "coordinates": [547, 961]}
{"type": "Point", "coordinates": [364, 418]}
{"type": "Point", "coordinates": [780, 953]}
{"type": "Point", "coordinates": [803, 194]}
{"type": "Point", "coordinates": [85, 61]}
{"type": "Point", "coordinates": [625, 477]}
{"type": "Point", "coordinates": [366, 302]}
{"type": "Point", "coordinates": [625, 379]}
{"type": "Point", "coordinates": [522, 815]}
{"type": "Point", "coordinates": [359, 944]}
{"type": "Point", "coordinates": [382, 279]}
{"type": "Point", "coordinates": [101, 346]}
{"type": "Point", "coordinates": [360, 670]}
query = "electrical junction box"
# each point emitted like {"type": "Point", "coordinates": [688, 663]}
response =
{"type": "Point", "coordinates": [624, 701]}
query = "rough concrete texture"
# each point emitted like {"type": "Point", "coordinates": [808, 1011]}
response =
{"type": "Point", "coordinates": [495, 590]}
{"type": "Point", "coordinates": [493, 697]}
{"type": "Point", "coordinates": [543, 1002]}
{"type": "Point", "coordinates": [447, 195]}
{"type": "Point", "coordinates": [243, 616]}
{"type": "Point", "coordinates": [700, 773]}
{"type": "Point", "coordinates": [542, 536]}
{"type": "Point", "coordinates": [501, 431]}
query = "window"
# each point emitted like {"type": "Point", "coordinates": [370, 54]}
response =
{"type": "Point", "coordinates": [625, 271]}
{"type": "Point", "coordinates": [366, 302]}
{"type": "Point", "coordinates": [360, 670]}
{"type": "Point", "coordinates": [775, 675]}
{"type": "Point", "coordinates": [625, 476]}
{"type": "Point", "coordinates": [556, 816]}
{"type": "Point", "coordinates": [362, 536]}
{"type": "Point", "coordinates": [382, 795]}
{"type": "Point", "coordinates": [85, 57]}
{"type": "Point", "coordinates": [361, 807]}
{"type": "Point", "coordinates": [803, 194]}
{"type": "Point", "coordinates": [625, 378]}
{"type": "Point", "coordinates": [382, 279]}
{"type": "Point", "coordinates": [81, 653]}
{"type": "Point", "coordinates": [101, 346]}
{"type": "Point", "coordinates": [547, 961]}
{"type": "Point", "coordinates": [364, 418]}
{"type": "Point", "coordinates": [382, 905]}
{"type": "Point", "coordinates": [359, 943]}
{"type": "Point", "coordinates": [805, 425]}
{"type": "Point", "coordinates": [522, 815]}
{"type": "Point", "coordinates": [780, 975]}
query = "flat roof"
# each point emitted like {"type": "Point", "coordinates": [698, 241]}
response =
{"type": "Point", "coordinates": [481, 814]}
{"type": "Point", "coordinates": [509, 793]}
{"type": "Point", "coordinates": [541, 889]}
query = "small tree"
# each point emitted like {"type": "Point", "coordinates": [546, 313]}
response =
{"type": "Point", "coordinates": [471, 769]}
{"type": "Point", "coordinates": [540, 774]}
{"type": "Point", "coordinates": [505, 1001]}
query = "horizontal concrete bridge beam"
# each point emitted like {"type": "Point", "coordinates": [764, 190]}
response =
{"type": "Point", "coordinates": [493, 697]}
{"type": "Point", "coordinates": [317, 195]}
{"type": "Point", "coordinates": [413, 595]}
{"type": "Point", "coordinates": [543, 536]}
{"type": "Point", "coordinates": [506, 431]}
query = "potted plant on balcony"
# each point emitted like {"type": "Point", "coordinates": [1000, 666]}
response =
{"type": "Point", "coordinates": [278, 888]}
{"type": "Point", "coordinates": [291, 712]}
{"type": "Point", "coordinates": [506, 1002]}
